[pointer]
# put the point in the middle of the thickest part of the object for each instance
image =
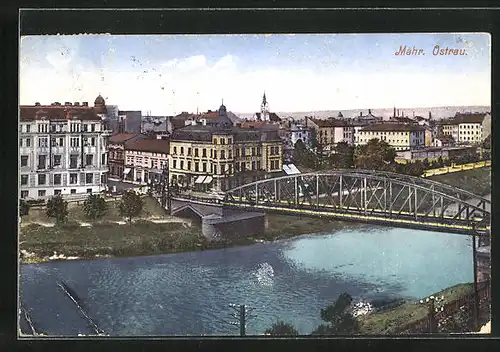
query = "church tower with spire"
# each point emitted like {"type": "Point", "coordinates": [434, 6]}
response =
{"type": "Point", "coordinates": [264, 109]}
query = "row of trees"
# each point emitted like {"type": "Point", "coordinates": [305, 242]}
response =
{"type": "Point", "coordinates": [94, 207]}
{"type": "Point", "coordinates": [338, 320]}
{"type": "Point", "coordinates": [375, 155]}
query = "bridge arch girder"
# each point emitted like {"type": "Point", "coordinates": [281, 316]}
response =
{"type": "Point", "coordinates": [353, 191]}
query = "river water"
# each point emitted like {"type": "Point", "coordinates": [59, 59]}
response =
{"type": "Point", "coordinates": [291, 280]}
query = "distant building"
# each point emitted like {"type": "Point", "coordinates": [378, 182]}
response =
{"type": "Point", "coordinates": [62, 149]}
{"type": "Point", "coordinates": [467, 128]}
{"type": "Point", "coordinates": [444, 140]}
{"type": "Point", "coordinates": [145, 159]}
{"type": "Point", "coordinates": [368, 118]}
{"type": "Point", "coordinates": [302, 133]}
{"type": "Point", "coordinates": [159, 127]}
{"type": "Point", "coordinates": [129, 121]}
{"type": "Point", "coordinates": [264, 114]}
{"type": "Point", "coordinates": [432, 153]}
{"type": "Point", "coordinates": [116, 151]}
{"type": "Point", "coordinates": [331, 131]}
{"type": "Point", "coordinates": [398, 136]}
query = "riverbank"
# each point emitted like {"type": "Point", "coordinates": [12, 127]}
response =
{"type": "Point", "coordinates": [40, 243]}
{"type": "Point", "coordinates": [477, 181]}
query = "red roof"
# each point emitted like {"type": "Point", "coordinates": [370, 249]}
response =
{"type": "Point", "coordinates": [57, 112]}
{"type": "Point", "coordinates": [150, 145]}
{"type": "Point", "coordinates": [121, 137]}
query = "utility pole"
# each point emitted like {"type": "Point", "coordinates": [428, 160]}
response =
{"type": "Point", "coordinates": [242, 320]}
{"type": "Point", "coordinates": [166, 199]}
{"type": "Point", "coordinates": [242, 316]}
{"type": "Point", "coordinates": [476, 294]}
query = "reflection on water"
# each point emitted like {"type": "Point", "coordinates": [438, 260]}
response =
{"type": "Point", "coordinates": [190, 293]}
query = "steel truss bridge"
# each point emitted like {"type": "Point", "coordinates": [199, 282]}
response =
{"type": "Point", "coordinates": [368, 196]}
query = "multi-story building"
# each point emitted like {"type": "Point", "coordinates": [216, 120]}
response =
{"type": "Point", "coordinates": [116, 151]}
{"type": "Point", "coordinates": [62, 149]}
{"type": "Point", "coordinates": [399, 136]}
{"type": "Point", "coordinates": [468, 128]}
{"type": "Point", "coordinates": [157, 125]}
{"type": "Point", "coordinates": [331, 131]}
{"type": "Point", "coordinates": [145, 159]}
{"type": "Point", "coordinates": [214, 150]}
{"type": "Point", "coordinates": [302, 133]}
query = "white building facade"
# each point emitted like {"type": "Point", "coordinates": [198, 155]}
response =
{"type": "Point", "coordinates": [62, 150]}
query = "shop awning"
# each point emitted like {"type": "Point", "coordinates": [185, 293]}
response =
{"type": "Point", "coordinates": [126, 170]}
{"type": "Point", "coordinates": [200, 179]}
{"type": "Point", "coordinates": [208, 179]}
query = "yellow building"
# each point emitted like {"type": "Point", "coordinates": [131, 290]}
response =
{"type": "Point", "coordinates": [215, 153]}
{"type": "Point", "coordinates": [397, 135]}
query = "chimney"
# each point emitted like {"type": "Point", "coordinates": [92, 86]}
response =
{"type": "Point", "coordinates": [398, 113]}
{"type": "Point", "coordinates": [369, 111]}
{"type": "Point", "coordinates": [67, 103]}
{"type": "Point", "coordinates": [76, 103]}
{"type": "Point", "coordinates": [57, 103]}
{"type": "Point", "coordinates": [85, 103]}
{"type": "Point", "coordinates": [430, 115]}
{"type": "Point", "coordinates": [360, 113]}
{"type": "Point", "coordinates": [37, 103]}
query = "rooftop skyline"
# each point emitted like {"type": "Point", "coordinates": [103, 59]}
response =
{"type": "Point", "coordinates": [170, 74]}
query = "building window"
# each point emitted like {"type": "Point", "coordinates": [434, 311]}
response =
{"type": "Point", "coordinates": [28, 128]}
{"type": "Point", "coordinates": [57, 179]}
{"type": "Point", "coordinates": [42, 179]}
{"type": "Point", "coordinates": [196, 152]}
{"type": "Point", "coordinates": [28, 142]}
{"type": "Point", "coordinates": [189, 151]}
{"type": "Point", "coordinates": [215, 140]}
{"type": "Point", "coordinates": [243, 166]}
{"type": "Point", "coordinates": [92, 127]}
{"type": "Point", "coordinates": [92, 142]}
{"type": "Point", "coordinates": [72, 191]}
{"type": "Point", "coordinates": [175, 164]}
{"type": "Point", "coordinates": [24, 160]}
{"type": "Point", "coordinates": [254, 152]}
{"type": "Point", "coordinates": [258, 164]}
{"type": "Point", "coordinates": [89, 159]}
{"type": "Point", "coordinates": [57, 191]}
{"type": "Point", "coordinates": [182, 164]}
{"type": "Point", "coordinates": [175, 150]}
{"type": "Point", "coordinates": [204, 153]}
{"type": "Point", "coordinates": [56, 160]}
{"type": "Point", "coordinates": [215, 154]}
{"type": "Point", "coordinates": [24, 180]}
{"type": "Point", "coordinates": [204, 167]}
{"type": "Point", "coordinates": [42, 142]}
{"type": "Point", "coordinates": [41, 193]}
{"type": "Point", "coordinates": [103, 159]}
{"type": "Point", "coordinates": [253, 165]}
{"type": "Point", "coordinates": [42, 161]}
{"type": "Point", "coordinates": [25, 194]}
{"type": "Point", "coordinates": [89, 190]}
{"type": "Point", "coordinates": [196, 167]}
{"type": "Point", "coordinates": [230, 152]}
{"type": "Point", "coordinates": [223, 154]}
{"type": "Point", "coordinates": [182, 150]}
{"type": "Point", "coordinates": [73, 178]}
{"type": "Point", "coordinates": [73, 161]}
{"type": "Point", "coordinates": [230, 140]}
{"type": "Point", "coordinates": [237, 152]}
{"type": "Point", "coordinates": [189, 166]}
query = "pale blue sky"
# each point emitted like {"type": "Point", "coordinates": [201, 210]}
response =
{"type": "Point", "coordinates": [169, 74]}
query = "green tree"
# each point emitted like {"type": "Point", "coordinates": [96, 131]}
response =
{"type": "Point", "coordinates": [57, 208]}
{"type": "Point", "coordinates": [95, 207]}
{"type": "Point", "coordinates": [303, 156]}
{"type": "Point", "coordinates": [338, 317]}
{"type": "Point", "coordinates": [344, 155]}
{"type": "Point", "coordinates": [440, 162]}
{"type": "Point", "coordinates": [130, 205]}
{"type": "Point", "coordinates": [487, 142]}
{"type": "Point", "coordinates": [24, 208]}
{"type": "Point", "coordinates": [374, 155]}
{"type": "Point", "coordinates": [280, 328]}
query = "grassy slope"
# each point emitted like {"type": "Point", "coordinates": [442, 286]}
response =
{"type": "Point", "coordinates": [477, 181]}
{"type": "Point", "coordinates": [385, 322]}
